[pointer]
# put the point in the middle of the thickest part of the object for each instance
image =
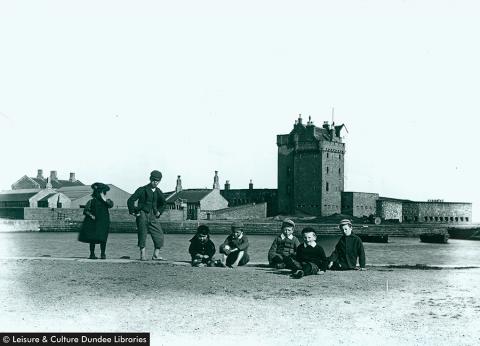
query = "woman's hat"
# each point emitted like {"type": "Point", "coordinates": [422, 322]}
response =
{"type": "Point", "coordinates": [100, 187]}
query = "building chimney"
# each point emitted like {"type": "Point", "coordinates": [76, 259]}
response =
{"type": "Point", "coordinates": [72, 177]}
{"type": "Point", "coordinates": [250, 186]}
{"type": "Point", "coordinates": [178, 188]}
{"type": "Point", "coordinates": [227, 185]}
{"type": "Point", "coordinates": [53, 175]}
{"type": "Point", "coordinates": [300, 119]}
{"type": "Point", "coordinates": [49, 184]}
{"type": "Point", "coordinates": [216, 182]}
{"type": "Point", "coordinates": [40, 174]}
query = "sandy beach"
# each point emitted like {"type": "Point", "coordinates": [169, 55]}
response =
{"type": "Point", "coordinates": [253, 305]}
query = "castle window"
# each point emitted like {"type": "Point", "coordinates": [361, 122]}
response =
{"type": "Point", "coordinates": [436, 218]}
{"type": "Point", "coordinates": [456, 218]}
{"type": "Point", "coordinates": [466, 219]}
{"type": "Point", "coordinates": [327, 155]}
{"type": "Point", "coordinates": [441, 218]}
{"type": "Point", "coordinates": [327, 187]}
{"type": "Point", "coordinates": [451, 218]}
{"type": "Point", "coordinates": [415, 218]}
{"type": "Point", "coordinates": [339, 171]}
{"type": "Point", "coordinates": [461, 218]}
{"type": "Point", "coordinates": [327, 169]}
{"type": "Point", "coordinates": [426, 218]}
{"type": "Point", "coordinates": [431, 218]}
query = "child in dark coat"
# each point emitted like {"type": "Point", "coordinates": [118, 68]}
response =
{"type": "Point", "coordinates": [283, 246]}
{"type": "Point", "coordinates": [202, 248]}
{"type": "Point", "coordinates": [234, 248]}
{"type": "Point", "coordinates": [95, 227]}
{"type": "Point", "coordinates": [310, 258]}
{"type": "Point", "coordinates": [348, 249]}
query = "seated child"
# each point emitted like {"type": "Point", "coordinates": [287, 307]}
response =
{"type": "Point", "coordinates": [202, 248]}
{"type": "Point", "coordinates": [310, 256]}
{"type": "Point", "coordinates": [234, 248]}
{"type": "Point", "coordinates": [347, 250]}
{"type": "Point", "coordinates": [283, 246]}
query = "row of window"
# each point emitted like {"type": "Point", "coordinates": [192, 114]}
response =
{"type": "Point", "coordinates": [339, 170]}
{"type": "Point", "coordinates": [439, 218]}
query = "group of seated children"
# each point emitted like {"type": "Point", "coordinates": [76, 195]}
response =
{"type": "Point", "coordinates": [286, 251]}
{"type": "Point", "coordinates": [233, 249]}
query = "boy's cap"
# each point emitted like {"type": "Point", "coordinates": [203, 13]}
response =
{"type": "Point", "coordinates": [156, 175]}
{"type": "Point", "coordinates": [345, 222]}
{"type": "Point", "coordinates": [288, 222]}
{"type": "Point", "coordinates": [309, 230]}
{"type": "Point", "coordinates": [203, 230]}
{"type": "Point", "coordinates": [237, 225]}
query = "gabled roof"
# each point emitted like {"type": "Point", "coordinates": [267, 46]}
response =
{"type": "Point", "coordinates": [57, 183]}
{"type": "Point", "coordinates": [190, 195]}
{"type": "Point", "coordinates": [75, 192]}
{"type": "Point", "coordinates": [15, 197]}
{"type": "Point", "coordinates": [45, 198]}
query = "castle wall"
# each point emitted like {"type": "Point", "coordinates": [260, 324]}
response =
{"type": "Point", "coordinates": [359, 204]}
{"type": "Point", "coordinates": [437, 212]}
{"type": "Point", "coordinates": [390, 210]}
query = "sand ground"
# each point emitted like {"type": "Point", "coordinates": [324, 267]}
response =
{"type": "Point", "coordinates": [253, 305]}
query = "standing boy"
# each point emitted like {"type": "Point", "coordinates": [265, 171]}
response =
{"type": "Point", "coordinates": [348, 249]}
{"type": "Point", "coordinates": [234, 248]}
{"type": "Point", "coordinates": [310, 258]}
{"type": "Point", "coordinates": [283, 246]}
{"type": "Point", "coordinates": [151, 203]}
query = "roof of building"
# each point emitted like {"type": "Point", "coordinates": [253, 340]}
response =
{"type": "Point", "coordinates": [76, 192]}
{"type": "Point", "coordinates": [190, 195]}
{"type": "Point", "coordinates": [15, 196]}
{"type": "Point", "coordinates": [45, 198]}
{"type": "Point", "coordinates": [388, 199]}
{"type": "Point", "coordinates": [57, 183]}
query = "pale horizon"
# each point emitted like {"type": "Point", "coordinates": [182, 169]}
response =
{"type": "Point", "coordinates": [111, 90]}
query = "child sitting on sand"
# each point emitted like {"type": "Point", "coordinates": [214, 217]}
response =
{"type": "Point", "coordinates": [234, 248]}
{"type": "Point", "coordinates": [348, 249]}
{"type": "Point", "coordinates": [202, 248]}
{"type": "Point", "coordinates": [283, 246]}
{"type": "Point", "coordinates": [310, 258]}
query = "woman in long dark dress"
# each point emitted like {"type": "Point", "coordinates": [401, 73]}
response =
{"type": "Point", "coordinates": [96, 224]}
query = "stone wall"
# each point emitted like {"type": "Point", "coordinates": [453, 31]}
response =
{"type": "Point", "coordinates": [437, 212]}
{"type": "Point", "coordinates": [19, 225]}
{"type": "Point", "coordinates": [243, 212]}
{"type": "Point", "coordinates": [359, 204]}
{"type": "Point", "coordinates": [390, 210]}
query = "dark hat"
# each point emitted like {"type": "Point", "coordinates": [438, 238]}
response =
{"type": "Point", "coordinates": [345, 222]}
{"type": "Point", "coordinates": [288, 222]}
{"type": "Point", "coordinates": [101, 187]}
{"type": "Point", "coordinates": [203, 230]}
{"type": "Point", "coordinates": [237, 225]}
{"type": "Point", "coordinates": [308, 230]}
{"type": "Point", "coordinates": [156, 175]}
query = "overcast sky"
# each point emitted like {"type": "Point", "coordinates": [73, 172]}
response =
{"type": "Point", "coordinates": [113, 89]}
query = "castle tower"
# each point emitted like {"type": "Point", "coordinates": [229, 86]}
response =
{"type": "Point", "coordinates": [310, 169]}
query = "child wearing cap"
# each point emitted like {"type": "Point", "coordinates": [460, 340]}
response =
{"type": "Point", "coordinates": [347, 250]}
{"type": "Point", "coordinates": [310, 258]}
{"type": "Point", "coordinates": [202, 248]}
{"type": "Point", "coordinates": [283, 246]}
{"type": "Point", "coordinates": [234, 248]}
